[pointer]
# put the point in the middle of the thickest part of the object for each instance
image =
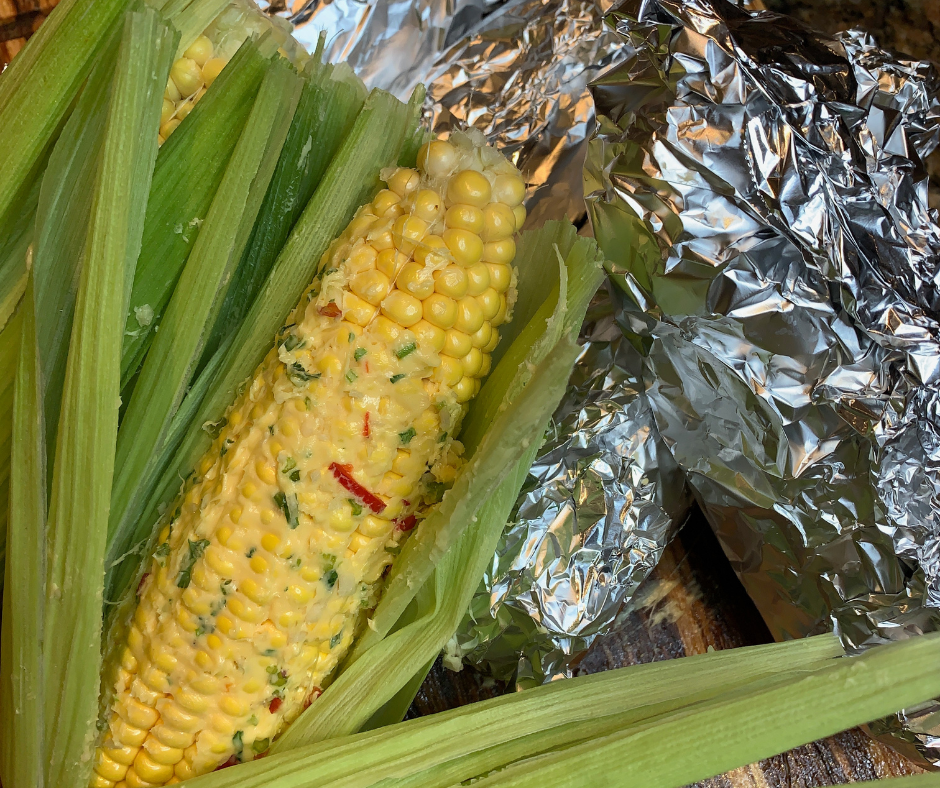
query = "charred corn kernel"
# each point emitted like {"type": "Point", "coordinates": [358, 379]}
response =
{"type": "Point", "coordinates": [200, 51]}
{"type": "Point", "coordinates": [519, 214]}
{"type": "Point", "coordinates": [417, 280]}
{"type": "Point", "coordinates": [384, 200]}
{"type": "Point", "coordinates": [464, 217]}
{"type": "Point", "coordinates": [371, 286]}
{"type": "Point", "coordinates": [464, 389]}
{"type": "Point", "coordinates": [212, 69]}
{"type": "Point", "coordinates": [390, 262]}
{"type": "Point", "coordinates": [440, 311]}
{"type": "Point", "coordinates": [509, 189]}
{"type": "Point", "coordinates": [469, 187]}
{"type": "Point", "coordinates": [466, 247]}
{"type": "Point", "coordinates": [404, 181]}
{"type": "Point", "coordinates": [358, 310]}
{"type": "Point", "coordinates": [498, 222]}
{"type": "Point", "coordinates": [187, 76]}
{"type": "Point", "coordinates": [432, 251]}
{"type": "Point", "coordinates": [502, 251]}
{"type": "Point", "coordinates": [500, 276]}
{"type": "Point", "coordinates": [451, 281]}
{"type": "Point", "coordinates": [403, 308]}
{"type": "Point", "coordinates": [429, 335]}
{"type": "Point", "coordinates": [456, 343]}
{"type": "Point", "coordinates": [469, 315]}
{"type": "Point", "coordinates": [273, 595]}
{"type": "Point", "coordinates": [437, 158]}
{"type": "Point", "coordinates": [489, 303]}
{"type": "Point", "coordinates": [407, 232]}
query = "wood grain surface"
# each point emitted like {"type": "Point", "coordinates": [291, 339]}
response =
{"type": "Point", "coordinates": [693, 602]}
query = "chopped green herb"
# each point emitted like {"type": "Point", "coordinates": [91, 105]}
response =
{"type": "Point", "coordinates": [215, 428]}
{"type": "Point", "coordinates": [237, 743]}
{"type": "Point", "coordinates": [355, 506]}
{"type": "Point", "coordinates": [351, 376]}
{"type": "Point", "coordinates": [252, 720]}
{"type": "Point", "coordinates": [292, 342]}
{"type": "Point", "coordinates": [270, 652]}
{"type": "Point", "coordinates": [442, 438]}
{"type": "Point", "coordinates": [295, 476]}
{"type": "Point", "coordinates": [251, 552]}
{"type": "Point", "coordinates": [406, 350]}
{"type": "Point", "coordinates": [329, 271]}
{"type": "Point", "coordinates": [351, 337]}
{"type": "Point", "coordinates": [331, 577]}
{"type": "Point", "coordinates": [289, 506]}
{"type": "Point", "coordinates": [289, 464]}
{"type": "Point", "coordinates": [334, 641]}
{"type": "Point", "coordinates": [407, 435]}
{"type": "Point", "coordinates": [260, 745]}
{"type": "Point", "coordinates": [271, 429]}
{"type": "Point", "coordinates": [360, 352]}
{"type": "Point", "coordinates": [272, 669]}
{"type": "Point", "coordinates": [307, 402]}
{"type": "Point", "coordinates": [396, 378]}
{"type": "Point", "coordinates": [329, 561]}
{"type": "Point", "coordinates": [196, 549]}
{"type": "Point", "coordinates": [298, 375]}
{"type": "Point", "coordinates": [162, 551]}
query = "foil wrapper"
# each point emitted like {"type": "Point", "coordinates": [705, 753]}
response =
{"type": "Point", "coordinates": [788, 304]}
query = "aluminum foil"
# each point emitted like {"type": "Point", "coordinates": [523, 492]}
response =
{"type": "Point", "coordinates": [790, 312]}
{"type": "Point", "coordinates": [602, 500]}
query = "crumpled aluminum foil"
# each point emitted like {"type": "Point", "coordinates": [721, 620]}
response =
{"type": "Point", "coordinates": [601, 502]}
{"type": "Point", "coordinates": [592, 521]}
{"type": "Point", "coordinates": [790, 307]}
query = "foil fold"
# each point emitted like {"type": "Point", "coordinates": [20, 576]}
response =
{"type": "Point", "coordinates": [788, 302]}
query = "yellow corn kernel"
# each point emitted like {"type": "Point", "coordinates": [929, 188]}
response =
{"type": "Point", "coordinates": [490, 346]}
{"type": "Point", "coordinates": [509, 189]}
{"type": "Point", "coordinates": [148, 769]}
{"type": "Point", "coordinates": [478, 279]}
{"type": "Point", "coordinates": [464, 217]}
{"type": "Point", "coordinates": [487, 364]}
{"type": "Point", "coordinates": [428, 205]}
{"type": "Point", "coordinates": [258, 564]}
{"type": "Point", "coordinates": [451, 281]}
{"type": "Point", "coordinates": [265, 471]}
{"type": "Point", "coordinates": [299, 595]}
{"type": "Point", "coordinates": [160, 753]}
{"type": "Point", "coordinates": [464, 389]}
{"type": "Point", "coordinates": [357, 542]}
{"type": "Point", "coordinates": [126, 734]}
{"type": "Point", "coordinates": [498, 222]}
{"type": "Point", "coordinates": [171, 737]}
{"type": "Point", "coordinates": [310, 573]}
{"type": "Point", "coordinates": [469, 315]}
{"type": "Point", "coordinates": [122, 755]}
{"type": "Point", "coordinates": [270, 542]}
{"type": "Point", "coordinates": [171, 93]}
{"type": "Point", "coordinates": [244, 610]}
{"type": "Point", "coordinates": [489, 301]}
{"type": "Point", "coordinates": [216, 557]}
{"type": "Point", "coordinates": [381, 240]}
{"type": "Point", "coordinates": [163, 658]}
{"type": "Point", "coordinates": [371, 286]}
{"type": "Point", "coordinates": [128, 661]}
{"type": "Point", "coordinates": [519, 214]}
{"type": "Point", "coordinates": [212, 69]}
{"type": "Point", "coordinates": [357, 310]}
{"type": "Point", "coordinates": [456, 344]}
{"type": "Point", "coordinates": [403, 181]}
{"type": "Point", "coordinates": [403, 308]}
{"type": "Point", "coordinates": [437, 158]}
{"type": "Point", "coordinates": [466, 247]}
{"type": "Point", "coordinates": [97, 781]}
{"type": "Point", "coordinates": [341, 519]}
{"type": "Point", "coordinates": [450, 371]}
{"type": "Point", "coordinates": [167, 112]}
{"type": "Point", "coordinates": [500, 317]}
{"type": "Point", "coordinates": [432, 252]}
{"type": "Point", "coordinates": [500, 276]}
{"type": "Point", "coordinates": [429, 335]}
{"type": "Point", "coordinates": [472, 362]}
{"type": "Point", "coordinates": [234, 707]}
{"type": "Point", "coordinates": [416, 280]}
{"type": "Point", "coordinates": [502, 251]}
{"type": "Point", "coordinates": [187, 76]}
{"type": "Point", "coordinates": [200, 51]}
{"type": "Point", "coordinates": [470, 188]}
{"type": "Point", "coordinates": [136, 714]}
{"type": "Point", "coordinates": [184, 770]}
{"type": "Point", "coordinates": [386, 329]}
{"type": "Point", "coordinates": [384, 200]}
{"type": "Point", "coordinates": [441, 311]}
{"type": "Point", "coordinates": [235, 514]}
{"type": "Point", "coordinates": [169, 127]}
{"type": "Point", "coordinates": [205, 685]}
{"type": "Point", "coordinates": [184, 108]}
{"type": "Point", "coordinates": [407, 231]}
{"type": "Point", "coordinates": [359, 225]}
{"type": "Point", "coordinates": [109, 769]}
{"type": "Point", "coordinates": [225, 625]}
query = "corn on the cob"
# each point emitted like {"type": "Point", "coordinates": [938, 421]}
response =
{"type": "Point", "coordinates": [327, 459]}
{"type": "Point", "coordinates": [193, 73]}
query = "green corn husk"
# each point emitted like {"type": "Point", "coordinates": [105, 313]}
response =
{"type": "Point", "coordinates": [189, 170]}
{"type": "Point", "coordinates": [21, 732]}
{"type": "Point", "coordinates": [80, 496]}
{"type": "Point", "coordinates": [190, 315]}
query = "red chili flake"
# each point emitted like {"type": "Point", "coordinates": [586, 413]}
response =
{"type": "Point", "coordinates": [367, 367]}
{"type": "Point", "coordinates": [233, 761]}
{"type": "Point", "coordinates": [330, 310]}
{"type": "Point", "coordinates": [405, 502]}
{"type": "Point", "coordinates": [142, 581]}
{"type": "Point", "coordinates": [406, 523]}
{"type": "Point", "coordinates": [365, 426]}
{"type": "Point", "coordinates": [315, 693]}
{"type": "Point", "coordinates": [343, 474]}
{"type": "Point", "coordinates": [274, 705]}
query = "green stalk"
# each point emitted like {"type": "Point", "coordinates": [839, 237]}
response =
{"type": "Point", "coordinates": [189, 170]}
{"type": "Point", "coordinates": [746, 727]}
{"type": "Point", "coordinates": [80, 497]}
{"type": "Point", "coordinates": [38, 87]}
{"type": "Point", "coordinates": [172, 359]}
{"type": "Point", "coordinates": [9, 353]}
{"type": "Point", "coordinates": [642, 691]}
{"type": "Point", "coordinates": [21, 689]}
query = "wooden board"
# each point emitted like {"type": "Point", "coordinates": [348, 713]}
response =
{"type": "Point", "coordinates": [693, 602]}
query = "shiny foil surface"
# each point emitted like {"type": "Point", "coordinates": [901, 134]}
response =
{"type": "Point", "coordinates": [788, 298]}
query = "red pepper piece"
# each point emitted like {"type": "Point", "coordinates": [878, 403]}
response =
{"type": "Point", "coordinates": [365, 426]}
{"type": "Point", "coordinates": [142, 581]}
{"type": "Point", "coordinates": [233, 761]}
{"type": "Point", "coordinates": [315, 693]}
{"type": "Point", "coordinates": [274, 705]}
{"type": "Point", "coordinates": [406, 523]}
{"type": "Point", "coordinates": [343, 474]}
{"type": "Point", "coordinates": [330, 310]}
